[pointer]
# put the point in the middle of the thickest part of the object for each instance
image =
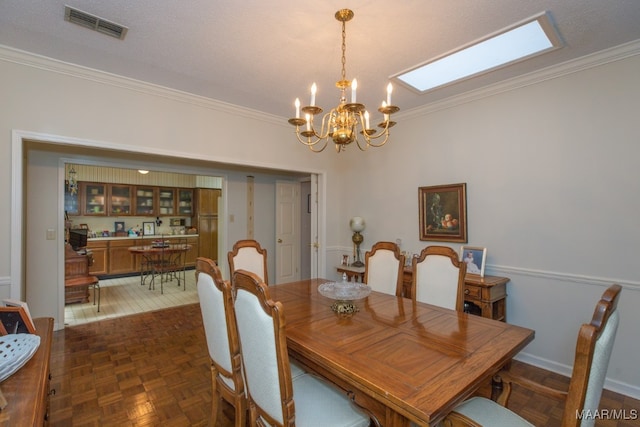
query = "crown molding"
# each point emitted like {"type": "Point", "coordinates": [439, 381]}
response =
{"type": "Point", "coordinates": [569, 67]}
{"type": "Point", "coordinates": [52, 65]}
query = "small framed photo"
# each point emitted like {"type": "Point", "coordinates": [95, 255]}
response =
{"type": "Point", "coordinates": [475, 257]}
{"type": "Point", "coordinates": [15, 320]}
{"type": "Point", "coordinates": [118, 226]}
{"type": "Point", "coordinates": [148, 228]}
{"type": "Point", "coordinates": [345, 260]}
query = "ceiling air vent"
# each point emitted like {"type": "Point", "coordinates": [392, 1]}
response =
{"type": "Point", "coordinates": [94, 22]}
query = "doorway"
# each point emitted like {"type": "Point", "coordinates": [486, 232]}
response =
{"type": "Point", "coordinates": [42, 286]}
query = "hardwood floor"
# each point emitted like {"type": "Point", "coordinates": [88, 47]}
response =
{"type": "Point", "coordinates": [152, 369]}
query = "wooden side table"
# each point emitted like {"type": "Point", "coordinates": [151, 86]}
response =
{"type": "Point", "coordinates": [355, 273]}
{"type": "Point", "coordinates": [485, 296]}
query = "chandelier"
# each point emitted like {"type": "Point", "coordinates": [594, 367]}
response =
{"type": "Point", "coordinates": [342, 122]}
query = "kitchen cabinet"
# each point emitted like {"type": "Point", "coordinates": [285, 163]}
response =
{"type": "Point", "coordinates": [94, 198]}
{"type": "Point", "coordinates": [120, 200]}
{"type": "Point", "coordinates": [166, 201]}
{"type": "Point", "coordinates": [100, 252]}
{"type": "Point", "coordinates": [146, 201]}
{"type": "Point", "coordinates": [185, 201]}
{"type": "Point", "coordinates": [121, 261]}
{"type": "Point", "coordinates": [207, 201]}
{"type": "Point", "coordinates": [71, 202]}
{"type": "Point", "coordinates": [208, 233]}
{"type": "Point", "coordinates": [193, 253]}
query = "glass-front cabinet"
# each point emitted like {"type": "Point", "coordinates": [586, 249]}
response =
{"type": "Point", "coordinates": [185, 201]}
{"type": "Point", "coordinates": [166, 201]}
{"type": "Point", "coordinates": [94, 197]}
{"type": "Point", "coordinates": [120, 199]}
{"type": "Point", "coordinates": [145, 201]}
{"type": "Point", "coordinates": [71, 203]}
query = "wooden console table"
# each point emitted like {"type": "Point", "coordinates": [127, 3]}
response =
{"type": "Point", "coordinates": [485, 296]}
{"type": "Point", "coordinates": [27, 391]}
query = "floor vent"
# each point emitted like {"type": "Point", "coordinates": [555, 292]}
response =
{"type": "Point", "coordinates": [94, 23]}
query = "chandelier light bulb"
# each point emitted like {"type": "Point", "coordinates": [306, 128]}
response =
{"type": "Point", "coordinates": [297, 104]}
{"type": "Point", "coordinates": [314, 88]}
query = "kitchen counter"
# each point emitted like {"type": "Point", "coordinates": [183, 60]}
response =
{"type": "Point", "coordinates": [158, 236]}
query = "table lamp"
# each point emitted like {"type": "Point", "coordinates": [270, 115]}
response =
{"type": "Point", "coordinates": [357, 225]}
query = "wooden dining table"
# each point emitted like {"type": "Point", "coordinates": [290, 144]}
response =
{"type": "Point", "coordinates": [404, 361]}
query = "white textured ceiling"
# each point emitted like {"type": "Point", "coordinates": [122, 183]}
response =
{"type": "Point", "coordinates": [263, 54]}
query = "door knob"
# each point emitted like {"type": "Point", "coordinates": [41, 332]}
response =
{"type": "Point", "coordinates": [279, 240]}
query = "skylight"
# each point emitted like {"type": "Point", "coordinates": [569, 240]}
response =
{"type": "Point", "coordinates": [526, 39]}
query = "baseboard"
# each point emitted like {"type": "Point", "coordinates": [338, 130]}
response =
{"type": "Point", "coordinates": [549, 365]}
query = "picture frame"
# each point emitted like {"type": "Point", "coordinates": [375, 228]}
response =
{"type": "Point", "coordinates": [118, 226]}
{"type": "Point", "coordinates": [345, 259]}
{"type": "Point", "coordinates": [15, 320]}
{"type": "Point", "coordinates": [148, 228]}
{"type": "Point", "coordinates": [83, 226]}
{"type": "Point", "coordinates": [443, 212]}
{"type": "Point", "coordinates": [475, 257]}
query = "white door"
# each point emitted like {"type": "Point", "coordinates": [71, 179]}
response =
{"type": "Point", "coordinates": [287, 231]}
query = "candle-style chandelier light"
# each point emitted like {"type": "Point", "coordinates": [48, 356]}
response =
{"type": "Point", "coordinates": [342, 122]}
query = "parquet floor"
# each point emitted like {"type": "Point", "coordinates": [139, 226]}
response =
{"type": "Point", "coordinates": [152, 369]}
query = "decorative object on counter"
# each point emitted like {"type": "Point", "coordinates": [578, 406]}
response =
{"type": "Point", "coordinates": [340, 124]}
{"type": "Point", "coordinates": [475, 258]}
{"type": "Point", "coordinates": [345, 293]}
{"type": "Point", "coordinates": [443, 212]}
{"type": "Point", "coordinates": [148, 228]}
{"type": "Point", "coordinates": [118, 226]}
{"type": "Point", "coordinates": [15, 351]}
{"type": "Point", "coordinates": [357, 224]}
{"type": "Point", "coordinates": [158, 221]}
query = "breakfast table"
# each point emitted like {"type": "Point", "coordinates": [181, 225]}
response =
{"type": "Point", "coordinates": [402, 360]}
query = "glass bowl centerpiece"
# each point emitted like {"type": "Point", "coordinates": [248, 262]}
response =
{"type": "Point", "coordinates": [345, 293]}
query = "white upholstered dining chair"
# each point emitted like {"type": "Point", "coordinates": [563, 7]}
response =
{"type": "Point", "coordinates": [250, 256]}
{"type": "Point", "coordinates": [593, 350]}
{"type": "Point", "coordinates": [438, 277]}
{"type": "Point", "coordinates": [222, 341]}
{"type": "Point", "coordinates": [384, 267]}
{"type": "Point", "coordinates": [275, 398]}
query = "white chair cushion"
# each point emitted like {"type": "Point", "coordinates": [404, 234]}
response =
{"type": "Point", "coordinates": [382, 272]}
{"type": "Point", "coordinates": [437, 281]}
{"type": "Point", "coordinates": [488, 413]}
{"type": "Point", "coordinates": [599, 365]}
{"type": "Point", "coordinates": [250, 260]}
{"type": "Point", "coordinates": [319, 404]}
{"type": "Point", "coordinates": [258, 342]}
{"type": "Point", "coordinates": [214, 322]}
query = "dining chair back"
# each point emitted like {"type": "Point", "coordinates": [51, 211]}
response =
{"type": "Point", "coordinates": [250, 256]}
{"type": "Point", "coordinates": [222, 340]}
{"type": "Point", "coordinates": [582, 399]}
{"type": "Point", "coordinates": [383, 268]}
{"type": "Point", "coordinates": [270, 386]}
{"type": "Point", "coordinates": [438, 277]}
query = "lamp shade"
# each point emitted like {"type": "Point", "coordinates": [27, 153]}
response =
{"type": "Point", "coordinates": [357, 224]}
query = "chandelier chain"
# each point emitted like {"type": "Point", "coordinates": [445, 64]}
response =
{"type": "Point", "coordinates": [344, 50]}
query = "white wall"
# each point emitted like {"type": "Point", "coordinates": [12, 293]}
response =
{"type": "Point", "coordinates": [550, 167]}
{"type": "Point", "coordinates": [552, 191]}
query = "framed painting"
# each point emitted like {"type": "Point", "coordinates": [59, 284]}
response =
{"type": "Point", "coordinates": [148, 228]}
{"type": "Point", "coordinates": [475, 258]}
{"type": "Point", "coordinates": [443, 212]}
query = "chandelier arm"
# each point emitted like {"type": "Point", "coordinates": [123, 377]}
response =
{"type": "Point", "coordinates": [311, 144]}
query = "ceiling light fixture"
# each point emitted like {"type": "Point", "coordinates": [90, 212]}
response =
{"type": "Point", "coordinates": [143, 172]}
{"type": "Point", "coordinates": [341, 123]}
